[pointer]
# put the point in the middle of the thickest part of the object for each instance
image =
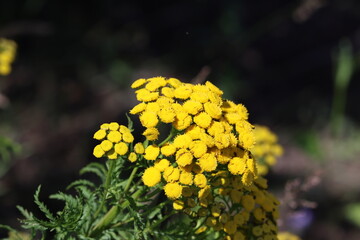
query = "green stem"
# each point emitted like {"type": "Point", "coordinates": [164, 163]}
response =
{"type": "Point", "coordinates": [132, 175]}
{"type": "Point", "coordinates": [173, 132]}
{"type": "Point", "coordinates": [106, 187]}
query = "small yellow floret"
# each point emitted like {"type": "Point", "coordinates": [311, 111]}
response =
{"type": "Point", "coordinates": [98, 151]}
{"type": "Point", "coordinates": [100, 134]}
{"type": "Point", "coordinates": [151, 134]}
{"type": "Point", "coordinates": [248, 202]}
{"type": "Point", "coordinates": [139, 148]}
{"type": "Point", "coordinates": [213, 88]}
{"type": "Point", "coordinates": [112, 154]}
{"type": "Point", "coordinates": [173, 190]}
{"type": "Point", "coordinates": [168, 150]}
{"type": "Point", "coordinates": [138, 108]}
{"type": "Point", "coordinates": [132, 157]}
{"type": "Point", "coordinates": [167, 115]}
{"type": "Point", "coordinates": [183, 92]}
{"type": "Point", "coordinates": [178, 205]}
{"type": "Point", "coordinates": [149, 119]}
{"type": "Point", "coordinates": [106, 145]}
{"type": "Point", "coordinates": [114, 126]}
{"type": "Point", "coordinates": [183, 157]}
{"type": "Point", "coordinates": [151, 176]}
{"type": "Point", "coordinates": [152, 152]}
{"type": "Point", "coordinates": [192, 107]}
{"type": "Point", "coordinates": [114, 136]}
{"type": "Point", "coordinates": [162, 164]}
{"type": "Point", "coordinates": [213, 110]}
{"type": "Point", "coordinates": [121, 148]}
{"type": "Point", "coordinates": [208, 162]}
{"type": "Point", "coordinates": [200, 180]}
{"type": "Point", "coordinates": [237, 165]}
{"type": "Point", "coordinates": [186, 178]}
{"type": "Point", "coordinates": [182, 141]}
{"type": "Point", "coordinates": [203, 120]}
{"type": "Point", "coordinates": [138, 83]}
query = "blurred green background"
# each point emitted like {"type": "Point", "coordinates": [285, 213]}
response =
{"type": "Point", "coordinates": [294, 64]}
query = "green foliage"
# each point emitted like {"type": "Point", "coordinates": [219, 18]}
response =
{"type": "Point", "coordinates": [104, 211]}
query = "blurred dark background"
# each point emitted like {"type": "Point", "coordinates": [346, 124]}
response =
{"type": "Point", "coordinates": [77, 59]}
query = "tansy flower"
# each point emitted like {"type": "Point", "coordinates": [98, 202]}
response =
{"type": "Point", "coordinates": [139, 148]}
{"type": "Point", "coordinates": [203, 120]}
{"type": "Point", "coordinates": [186, 178]}
{"type": "Point", "coordinates": [132, 157]}
{"type": "Point", "coordinates": [149, 119]}
{"type": "Point", "coordinates": [168, 150]}
{"type": "Point", "coordinates": [208, 162]}
{"type": "Point", "coordinates": [248, 202]}
{"type": "Point", "coordinates": [152, 152]}
{"type": "Point", "coordinates": [98, 151]}
{"type": "Point", "coordinates": [100, 134]}
{"type": "Point", "coordinates": [138, 108]}
{"type": "Point", "coordinates": [200, 180]}
{"type": "Point", "coordinates": [113, 136]}
{"type": "Point", "coordinates": [237, 165]}
{"type": "Point", "coordinates": [183, 157]}
{"type": "Point", "coordinates": [171, 174]}
{"type": "Point", "coordinates": [121, 148]}
{"type": "Point", "coordinates": [151, 176]}
{"type": "Point", "coordinates": [162, 164]}
{"type": "Point", "coordinates": [178, 205]}
{"type": "Point", "coordinates": [138, 83]}
{"type": "Point", "coordinates": [151, 134]}
{"type": "Point", "coordinates": [192, 107]}
{"type": "Point", "coordinates": [106, 145]}
{"type": "Point", "coordinates": [173, 190]}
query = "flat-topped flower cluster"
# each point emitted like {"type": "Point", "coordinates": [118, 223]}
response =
{"type": "Point", "coordinates": [205, 164]}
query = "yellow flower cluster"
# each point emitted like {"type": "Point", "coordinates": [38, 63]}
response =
{"type": "Point", "coordinates": [7, 55]}
{"type": "Point", "coordinates": [115, 140]}
{"type": "Point", "coordinates": [207, 166]}
{"type": "Point", "coordinates": [266, 150]}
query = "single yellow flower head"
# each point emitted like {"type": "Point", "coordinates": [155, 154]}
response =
{"type": "Point", "coordinates": [239, 236]}
{"type": "Point", "coordinates": [155, 83]}
{"type": "Point", "coordinates": [198, 148]}
{"type": "Point", "coordinates": [151, 134]}
{"type": "Point", "coordinates": [139, 148]}
{"type": "Point", "coordinates": [138, 108]}
{"type": "Point", "coordinates": [138, 83]}
{"type": "Point", "coordinates": [168, 150]}
{"type": "Point", "coordinates": [144, 95]}
{"type": "Point", "coordinates": [208, 162]}
{"type": "Point", "coordinates": [167, 92]}
{"type": "Point", "coordinates": [182, 141]}
{"type": "Point", "coordinates": [171, 174]}
{"type": "Point", "coordinates": [112, 154]}
{"type": "Point", "coordinates": [121, 148]}
{"type": "Point", "coordinates": [200, 180]}
{"type": "Point", "coordinates": [106, 145]}
{"type": "Point", "coordinates": [251, 165]}
{"type": "Point", "coordinates": [213, 110]}
{"type": "Point", "coordinates": [178, 205]}
{"type": "Point", "coordinates": [183, 92]}
{"type": "Point", "coordinates": [100, 134]}
{"type": "Point", "coordinates": [186, 178]}
{"type": "Point", "coordinates": [224, 218]}
{"type": "Point", "coordinates": [204, 192]}
{"type": "Point", "coordinates": [153, 107]}
{"type": "Point", "coordinates": [151, 176]}
{"type": "Point", "coordinates": [114, 126]}
{"type": "Point", "coordinates": [182, 121]}
{"type": "Point", "coordinates": [230, 227]}
{"type": "Point", "coordinates": [167, 115]}
{"type": "Point", "coordinates": [162, 164]}
{"type": "Point", "coordinates": [213, 88]}
{"type": "Point", "coordinates": [183, 157]}
{"type": "Point", "coordinates": [114, 136]}
{"type": "Point", "coordinates": [152, 152]}
{"type": "Point", "coordinates": [132, 157]}
{"type": "Point", "coordinates": [203, 120]}
{"type": "Point", "coordinates": [104, 126]}
{"type": "Point", "coordinates": [98, 151]}
{"type": "Point", "coordinates": [174, 82]}
{"type": "Point", "coordinates": [173, 190]}
{"type": "Point", "coordinates": [192, 107]}
{"type": "Point", "coordinates": [149, 119]}
{"type": "Point", "coordinates": [237, 166]}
